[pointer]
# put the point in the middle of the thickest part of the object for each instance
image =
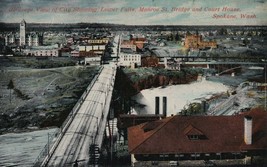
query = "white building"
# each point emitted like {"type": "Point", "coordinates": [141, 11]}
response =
{"type": "Point", "coordinates": [92, 60]}
{"type": "Point", "coordinates": [33, 40]}
{"type": "Point", "coordinates": [128, 46]}
{"type": "Point", "coordinates": [23, 38]}
{"type": "Point", "coordinates": [98, 41]}
{"type": "Point", "coordinates": [22, 33]}
{"type": "Point", "coordinates": [129, 59]}
{"type": "Point", "coordinates": [172, 64]}
{"type": "Point", "coordinates": [97, 49]}
{"type": "Point", "coordinates": [74, 53]}
{"type": "Point", "coordinates": [10, 39]}
{"type": "Point", "coordinates": [43, 51]}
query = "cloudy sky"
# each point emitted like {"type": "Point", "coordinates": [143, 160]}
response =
{"type": "Point", "coordinates": [158, 12]}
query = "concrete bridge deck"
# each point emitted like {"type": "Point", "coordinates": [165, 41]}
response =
{"type": "Point", "coordinates": [87, 124]}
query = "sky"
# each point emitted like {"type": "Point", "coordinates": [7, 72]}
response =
{"type": "Point", "coordinates": [136, 12]}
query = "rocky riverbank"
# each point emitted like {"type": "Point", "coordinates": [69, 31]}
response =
{"type": "Point", "coordinates": [37, 97]}
{"type": "Point", "coordinates": [145, 78]}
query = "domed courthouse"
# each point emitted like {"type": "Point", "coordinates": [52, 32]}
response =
{"type": "Point", "coordinates": [24, 39]}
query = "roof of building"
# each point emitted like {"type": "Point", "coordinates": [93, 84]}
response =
{"type": "Point", "coordinates": [126, 42]}
{"type": "Point", "coordinates": [49, 47]}
{"type": "Point", "coordinates": [219, 134]}
{"type": "Point", "coordinates": [23, 21]}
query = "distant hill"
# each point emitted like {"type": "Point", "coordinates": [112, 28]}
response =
{"type": "Point", "coordinates": [119, 27]}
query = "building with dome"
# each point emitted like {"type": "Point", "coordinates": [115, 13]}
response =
{"type": "Point", "coordinates": [23, 38]}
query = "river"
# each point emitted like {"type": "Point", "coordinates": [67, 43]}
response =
{"type": "Point", "coordinates": [179, 96]}
{"type": "Point", "coordinates": [21, 149]}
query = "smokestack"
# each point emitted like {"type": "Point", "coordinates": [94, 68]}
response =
{"type": "Point", "coordinates": [157, 105]}
{"type": "Point", "coordinates": [165, 106]}
{"type": "Point", "coordinates": [248, 130]}
{"type": "Point", "coordinates": [204, 105]}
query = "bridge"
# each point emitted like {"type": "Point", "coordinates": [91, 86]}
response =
{"type": "Point", "coordinates": [219, 60]}
{"type": "Point", "coordinates": [223, 62]}
{"type": "Point", "coordinates": [85, 125]}
{"type": "Point", "coordinates": [255, 59]}
{"type": "Point", "coordinates": [231, 69]}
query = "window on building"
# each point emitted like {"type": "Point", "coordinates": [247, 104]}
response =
{"type": "Point", "coordinates": [178, 156]}
{"type": "Point", "coordinates": [196, 137]}
{"type": "Point", "coordinates": [195, 155]}
{"type": "Point", "coordinates": [193, 137]}
{"type": "Point", "coordinates": [194, 134]}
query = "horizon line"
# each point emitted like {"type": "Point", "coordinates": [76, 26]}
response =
{"type": "Point", "coordinates": [262, 25]}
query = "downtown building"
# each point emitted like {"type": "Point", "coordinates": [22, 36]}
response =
{"type": "Point", "coordinates": [197, 42]}
{"type": "Point", "coordinates": [23, 38]}
{"type": "Point", "coordinates": [31, 44]}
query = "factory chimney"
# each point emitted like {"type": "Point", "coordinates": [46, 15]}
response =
{"type": "Point", "coordinates": [164, 106]}
{"type": "Point", "coordinates": [248, 130]}
{"type": "Point", "coordinates": [156, 105]}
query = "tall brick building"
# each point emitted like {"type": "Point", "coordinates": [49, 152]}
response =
{"type": "Point", "coordinates": [196, 42]}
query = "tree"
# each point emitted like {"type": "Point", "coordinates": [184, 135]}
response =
{"type": "Point", "coordinates": [188, 33]}
{"type": "Point", "coordinates": [10, 86]}
{"type": "Point", "coordinates": [246, 42]}
{"type": "Point", "coordinates": [177, 38]}
{"type": "Point", "coordinates": [223, 31]}
{"type": "Point", "coordinates": [170, 37]}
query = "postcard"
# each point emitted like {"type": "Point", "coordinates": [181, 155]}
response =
{"type": "Point", "coordinates": [133, 83]}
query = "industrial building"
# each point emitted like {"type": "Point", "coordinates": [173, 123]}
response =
{"type": "Point", "coordinates": [200, 137]}
{"type": "Point", "coordinates": [196, 42]}
{"type": "Point", "coordinates": [42, 51]}
{"type": "Point", "coordinates": [129, 59]}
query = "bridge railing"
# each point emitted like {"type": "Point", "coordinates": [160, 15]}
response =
{"type": "Point", "coordinates": [55, 138]}
{"type": "Point", "coordinates": [102, 126]}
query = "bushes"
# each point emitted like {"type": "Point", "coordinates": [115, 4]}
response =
{"type": "Point", "coordinates": [21, 95]}
{"type": "Point", "coordinates": [138, 74]}
{"type": "Point", "coordinates": [145, 78]}
{"type": "Point", "coordinates": [192, 109]}
{"type": "Point", "coordinates": [33, 62]}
